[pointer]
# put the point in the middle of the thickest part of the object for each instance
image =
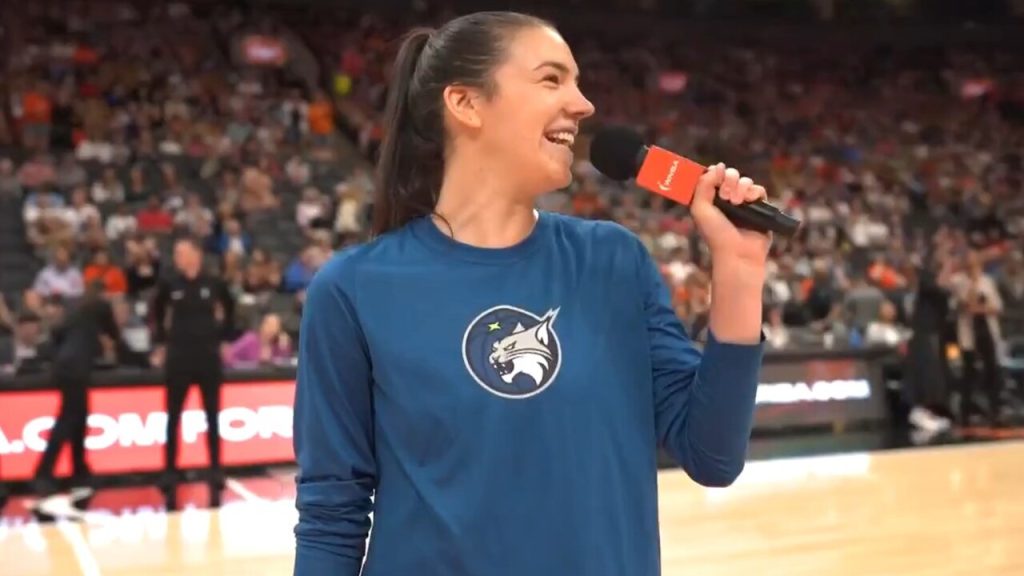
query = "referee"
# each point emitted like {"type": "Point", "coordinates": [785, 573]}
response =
{"type": "Point", "coordinates": [193, 313]}
{"type": "Point", "coordinates": [79, 344]}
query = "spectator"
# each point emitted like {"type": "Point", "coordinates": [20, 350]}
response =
{"type": "Point", "coordinates": [29, 352]}
{"type": "Point", "coordinates": [154, 218]}
{"type": "Point", "coordinates": [121, 224]}
{"type": "Point", "coordinates": [310, 208]}
{"type": "Point", "coordinates": [37, 173]}
{"type": "Point", "coordinates": [92, 237]}
{"type": "Point", "coordinates": [10, 187]}
{"type": "Point", "coordinates": [321, 118]}
{"type": "Point", "coordinates": [137, 188]}
{"type": "Point", "coordinates": [348, 220]}
{"type": "Point", "coordinates": [257, 189]}
{"type": "Point", "coordinates": [101, 269]}
{"type": "Point", "coordinates": [142, 269]}
{"type": "Point", "coordinates": [70, 174]}
{"type": "Point", "coordinates": [47, 222]}
{"type": "Point", "coordinates": [267, 345]}
{"type": "Point", "coordinates": [863, 303]}
{"type": "Point", "coordinates": [979, 307]}
{"type": "Point", "coordinates": [108, 189]}
{"type": "Point", "coordinates": [301, 270]}
{"type": "Point", "coordinates": [233, 240]}
{"type": "Point", "coordinates": [883, 329]}
{"type": "Point", "coordinates": [60, 277]}
{"type": "Point", "coordinates": [195, 219]}
{"type": "Point", "coordinates": [81, 210]}
{"type": "Point", "coordinates": [262, 274]}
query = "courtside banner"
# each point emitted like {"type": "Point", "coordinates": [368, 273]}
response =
{"type": "Point", "coordinates": [127, 428]}
{"type": "Point", "coordinates": [819, 393]}
{"type": "Point", "coordinates": [127, 424]}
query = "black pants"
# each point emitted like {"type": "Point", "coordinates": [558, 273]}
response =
{"type": "Point", "coordinates": [70, 426]}
{"type": "Point", "coordinates": [990, 377]}
{"type": "Point", "coordinates": [180, 374]}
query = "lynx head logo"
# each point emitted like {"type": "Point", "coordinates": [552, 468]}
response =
{"type": "Point", "coordinates": [511, 352]}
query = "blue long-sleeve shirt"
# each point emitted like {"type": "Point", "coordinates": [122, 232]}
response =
{"type": "Point", "coordinates": [499, 410]}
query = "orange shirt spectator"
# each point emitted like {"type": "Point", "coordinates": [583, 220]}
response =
{"type": "Point", "coordinates": [38, 109]}
{"type": "Point", "coordinates": [112, 277]}
{"type": "Point", "coordinates": [321, 117]}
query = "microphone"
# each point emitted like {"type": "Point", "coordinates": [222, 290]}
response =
{"type": "Point", "coordinates": [621, 154]}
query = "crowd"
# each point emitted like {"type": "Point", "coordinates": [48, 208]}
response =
{"type": "Point", "coordinates": [905, 166]}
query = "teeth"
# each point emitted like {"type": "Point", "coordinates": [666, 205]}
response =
{"type": "Point", "coordinates": [566, 138]}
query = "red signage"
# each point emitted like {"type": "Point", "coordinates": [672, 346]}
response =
{"type": "Point", "coordinates": [127, 428]}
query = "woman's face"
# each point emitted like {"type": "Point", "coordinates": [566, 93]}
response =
{"type": "Point", "coordinates": [532, 118]}
{"type": "Point", "coordinates": [270, 326]}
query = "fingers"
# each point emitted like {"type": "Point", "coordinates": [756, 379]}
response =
{"type": "Point", "coordinates": [737, 189]}
{"type": "Point", "coordinates": [730, 186]}
{"type": "Point", "coordinates": [707, 185]}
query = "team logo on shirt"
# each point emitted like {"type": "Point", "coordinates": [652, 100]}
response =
{"type": "Point", "coordinates": [511, 352]}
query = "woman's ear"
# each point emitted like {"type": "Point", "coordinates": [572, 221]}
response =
{"type": "Point", "coordinates": [463, 104]}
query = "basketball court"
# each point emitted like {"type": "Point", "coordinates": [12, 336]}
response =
{"type": "Point", "coordinates": [955, 509]}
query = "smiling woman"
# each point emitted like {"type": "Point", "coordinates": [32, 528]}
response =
{"type": "Point", "coordinates": [489, 102]}
{"type": "Point", "coordinates": [490, 380]}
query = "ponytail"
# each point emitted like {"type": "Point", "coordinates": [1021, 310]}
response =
{"type": "Point", "coordinates": [409, 166]}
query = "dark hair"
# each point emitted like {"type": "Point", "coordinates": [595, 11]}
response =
{"type": "Point", "coordinates": [464, 51]}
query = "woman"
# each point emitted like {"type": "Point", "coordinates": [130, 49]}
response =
{"type": "Point", "coordinates": [979, 307]}
{"type": "Point", "coordinates": [494, 377]}
{"type": "Point", "coordinates": [268, 344]}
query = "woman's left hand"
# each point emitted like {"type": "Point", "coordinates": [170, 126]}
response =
{"type": "Point", "coordinates": [729, 244]}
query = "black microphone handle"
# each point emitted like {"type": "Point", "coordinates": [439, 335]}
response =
{"type": "Point", "coordinates": [759, 216]}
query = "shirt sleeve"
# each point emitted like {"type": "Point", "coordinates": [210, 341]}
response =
{"type": "Point", "coordinates": [703, 401]}
{"type": "Point", "coordinates": [333, 434]}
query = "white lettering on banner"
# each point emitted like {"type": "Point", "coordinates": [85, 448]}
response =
{"type": "Point", "coordinates": [126, 430]}
{"type": "Point", "coordinates": [32, 434]}
{"type": "Point", "coordinates": [136, 432]}
{"type": "Point", "coordinates": [819, 391]}
{"type": "Point", "coordinates": [237, 424]}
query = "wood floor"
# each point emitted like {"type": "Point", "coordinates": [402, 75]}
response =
{"type": "Point", "coordinates": [949, 511]}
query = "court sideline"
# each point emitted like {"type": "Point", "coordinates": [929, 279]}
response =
{"type": "Point", "coordinates": [924, 511]}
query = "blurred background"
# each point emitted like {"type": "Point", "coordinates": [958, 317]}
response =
{"type": "Point", "coordinates": [893, 128]}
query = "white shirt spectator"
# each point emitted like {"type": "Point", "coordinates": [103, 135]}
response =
{"type": "Point", "coordinates": [120, 225]}
{"type": "Point", "coordinates": [103, 192]}
{"type": "Point", "coordinates": [32, 210]}
{"type": "Point", "coordinates": [884, 333]}
{"type": "Point", "coordinates": [77, 216]}
{"type": "Point", "coordinates": [347, 219]}
{"type": "Point", "coordinates": [96, 151]}
{"type": "Point", "coordinates": [51, 280]}
{"type": "Point", "coordinates": [309, 208]}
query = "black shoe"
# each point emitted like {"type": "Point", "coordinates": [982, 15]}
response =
{"type": "Point", "coordinates": [82, 478]}
{"type": "Point", "coordinates": [45, 486]}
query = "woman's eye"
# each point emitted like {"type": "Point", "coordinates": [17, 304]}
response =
{"type": "Point", "coordinates": [552, 78]}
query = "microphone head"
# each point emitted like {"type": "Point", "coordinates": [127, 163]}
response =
{"type": "Point", "coordinates": [615, 152]}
